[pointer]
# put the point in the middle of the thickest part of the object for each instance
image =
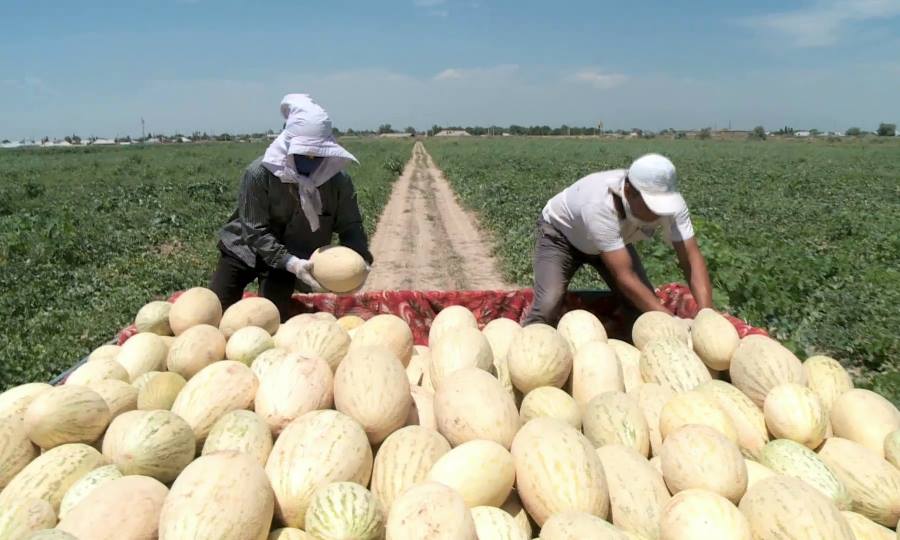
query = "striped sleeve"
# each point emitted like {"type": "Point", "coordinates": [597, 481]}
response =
{"type": "Point", "coordinates": [253, 214]}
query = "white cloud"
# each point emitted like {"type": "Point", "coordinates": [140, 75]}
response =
{"type": "Point", "coordinates": [824, 22]}
{"type": "Point", "coordinates": [599, 79]}
{"type": "Point", "coordinates": [456, 74]}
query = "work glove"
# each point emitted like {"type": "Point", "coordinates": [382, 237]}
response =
{"type": "Point", "coordinates": [302, 268]}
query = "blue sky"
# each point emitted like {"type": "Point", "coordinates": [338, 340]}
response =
{"type": "Point", "coordinates": [94, 68]}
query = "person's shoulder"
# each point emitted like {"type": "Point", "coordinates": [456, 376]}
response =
{"type": "Point", "coordinates": [256, 170]}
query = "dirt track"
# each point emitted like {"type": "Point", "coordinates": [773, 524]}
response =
{"type": "Point", "coordinates": [425, 240]}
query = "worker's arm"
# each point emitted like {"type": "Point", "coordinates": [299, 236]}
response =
{"type": "Point", "coordinates": [693, 265]}
{"type": "Point", "coordinates": [620, 266]}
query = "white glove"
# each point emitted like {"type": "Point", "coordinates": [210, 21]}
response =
{"type": "Point", "coordinates": [302, 268]}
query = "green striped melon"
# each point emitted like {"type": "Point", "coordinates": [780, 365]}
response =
{"type": "Point", "coordinates": [126, 507]}
{"type": "Point", "coordinates": [699, 514]}
{"type": "Point", "coordinates": [21, 517]}
{"type": "Point", "coordinates": [98, 370]}
{"type": "Point", "coordinates": [651, 398]}
{"type": "Point", "coordinates": [143, 353]}
{"type": "Point", "coordinates": [654, 325]}
{"type": "Point", "coordinates": [539, 356]}
{"type": "Point", "coordinates": [119, 396]}
{"type": "Point", "coordinates": [637, 492]}
{"type": "Point", "coordinates": [194, 306]}
{"type": "Point", "coordinates": [388, 331]}
{"type": "Point", "coordinates": [827, 378]}
{"type": "Point", "coordinates": [551, 402]}
{"type": "Point", "coordinates": [66, 414]}
{"type": "Point", "coordinates": [789, 458]}
{"type": "Point", "coordinates": [472, 404]}
{"type": "Point", "coordinates": [616, 418]}
{"type": "Point", "coordinates": [482, 472]}
{"type": "Point", "coordinates": [866, 529]}
{"type": "Point", "coordinates": [291, 387]}
{"type": "Point", "coordinates": [448, 321]}
{"type": "Point", "coordinates": [320, 339]}
{"type": "Point", "coordinates": [194, 349]}
{"type": "Point", "coordinates": [748, 420]}
{"type": "Point", "coordinates": [699, 457]}
{"type": "Point", "coordinates": [760, 364]}
{"type": "Point", "coordinates": [794, 412]}
{"type": "Point", "coordinates": [430, 510]}
{"type": "Point", "coordinates": [253, 311]}
{"type": "Point", "coordinates": [248, 343]}
{"type": "Point", "coordinates": [572, 525]}
{"type": "Point", "coordinates": [670, 362]}
{"type": "Point", "coordinates": [578, 327]}
{"type": "Point", "coordinates": [872, 482]}
{"type": "Point", "coordinates": [240, 431]}
{"type": "Point", "coordinates": [630, 359]}
{"type": "Point", "coordinates": [695, 407]}
{"type": "Point", "coordinates": [154, 317]}
{"type": "Point", "coordinates": [16, 449]}
{"type": "Point", "coordinates": [864, 417]}
{"type": "Point", "coordinates": [783, 507]}
{"type": "Point", "coordinates": [345, 510]}
{"type": "Point", "coordinates": [595, 370]}
{"type": "Point", "coordinates": [158, 444]}
{"type": "Point", "coordinates": [462, 348]}
{"type": "Point", "coordinates": [494, 523]}
{"type": "Point", "coordinates": [267, 359]}
{"type": "Point", "coordinates": [160, 392]}
{"type": "Point", "coordinates": [85, 485]}
{"type": "Point", "coordinates": [15, 401]}
{"type": "Point", "coordinates": [714, 339]}
{"type": "Point", "coordinates": [403, 460]}
{"type": "Point", "coordinates": [217, 389]}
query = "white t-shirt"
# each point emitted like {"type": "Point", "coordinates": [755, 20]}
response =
{"type": "Point", "coordinates": [585, 213]}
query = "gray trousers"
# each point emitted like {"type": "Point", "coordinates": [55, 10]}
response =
{"type": "Point", "coordinates": [555, 262]}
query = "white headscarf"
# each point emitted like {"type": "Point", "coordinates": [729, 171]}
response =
{"type": "Point", "coordinates": [307, 132]}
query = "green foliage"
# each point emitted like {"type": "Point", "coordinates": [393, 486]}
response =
{"type": "Point", "coordinates": [854, 132]}
{"type": "Point", "coordinates": [758, 133]}
{"type": "Point", "coordinates": [705, 133]}
{"type": "Point", "coordinates": [89, 235]}
{"type": "Point", "coordinates": [887, 130]}
{"type": "Point", "coordinates": [800, 239]}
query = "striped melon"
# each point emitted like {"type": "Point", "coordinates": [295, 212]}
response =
{"type": "Point", "coordinates": [760, 364]}
{"type": "Point", "coordinates": [472, 404]}
{"type": "Point", "coordinates": [291, 387]}
{"type": "Point", "coordinates": [144, 379]}
{"type": "Point", "coordinates": [142, 353]}
{"type": "Point", "coordinates": [222, 496]}
{"type": "Point", "coordinates": [578, 327]}
{"type": "Point", "coordinates": [388, 331]}
{"type": "Point", "coordinates": [462, 348]}
{"type": "Point", "coordinates": [289, 533]}
{"type": "Point", "coordinates": [482, 472]}
{"type": "Point", "coordinates": [126, 507]}
{"type": "Point", "coordinates": [160, 392]}
{"type": "Point", "coordinates": [196, 348]}
{"type": "Point", "coordinates": [154, 317]}
{"type": "Point", "coordinates": [253, 311]}
{"type": "Point", "coordinates": [695, 407]}
{"type": "Point", "coordinates": [670, 362]}
{"type": "Point", "coordinates": [616, 418]}
{"type": "Point", "coordinates": [866, 529]}
{"type": "Point", "coordinates": [892, 448]}
{"type": "Point", "coordinates": [430, 510]}
{"type": "Point", "coordinates": [20, 518]}
{"type": "Point", "coordinates": [450, 320]}
{"type": "Point", "coordinates": [551, 402]}
{"type": "Point", "coordinates": [66, 414]}
{"type": "Point", "coordinates": [267, 359]}
{"type": "Point", "coordinates": [637, 492]}
{"type": "Point", "coordinates": [158, 444]}
{"type": "Point", "coordinates": [699, 457]}
{"type": "Point", "coordinates": [864, 417]}
{"type": "Point", "coordinates": [539, 356]}
{"type": "Point", "coordinates": [500, 334]}
{"type": "Point", "coordinates": [630, 359]}
{"type": "Point", "coordinates": [51, 474]}
{"type": "Point", "coordinates": [15, 401]}
{"type": "Point", "coordinates": [494, 523]}
{"type": "Point", "coordinates": [756, 472]}
{"type": "Point", "coordinates": [370, 386]}
{"type": "Point", "coordinates": [403, 460]}
{"type": "Point", "coordinates": [748, 420]}
{"type": "Point", "coordinates": [794, 412]}
{"type": "Point", "coordinates": [16, 449]}
{"type": "Point", "coordinates": [119, 396]}
{"type": "Point", "coordinates": [51, 534]}
{"type": "Point", "coordinates": [345, 510]}
{"type": "Point", "coordinates": [872, 482]}
{"type": "Point", "coordinates": [320, 339]}
{"type": "Point", "coordinates": [194, 306]}
{"type": "Point", "coordinates": [783, 507]}
{"type": "Point", "coordinates": [248, 343]}
{"type": "Point", "coordinates": [217, 389]}
{"type": "Point", "coordinates": [314, 450]}
{"type": "Point", "coordinates": [699, 514]}
{"type": "Point", "coordinates": [98, 370]}
{"type": "Point", "coordinates": [513, 506]}
{"type": "Point", "coordinates": [827, 378]}
{"type": "Point", "coordinates": [558, 470]}
{"type": "Point", "coordinates": [714, 339]}
{"type": "Point", "coordinates": [85, 485]}
{"type": "Point", "coordinates": [651, 399]}
{"type": "Point", "coordinates": [654, 325]}
{"type": "Point", "coordinates": [422, 411]}
{"type": "Point", "coordinates": [789, 458]}
{"type": "Point", "coordinates": [105, 351]}
{"type": "Point", "coordinates": [240, 431]}
{"type": "Point", "coordinates": [578, 525]}
{"type": "Point", "coordinates": [595, 370]}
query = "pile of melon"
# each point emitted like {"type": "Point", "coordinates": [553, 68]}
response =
{"type": "Point", "coordinates": [234, 426]}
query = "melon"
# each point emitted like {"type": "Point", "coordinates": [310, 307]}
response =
{"type": "Point", "coordinates": [293, 386]}
{"type": "Point", "coordinates": [872, 482]}
{"type": "Point", "coordinates": [513, 506]}
{"type": "Point", "coordinates": [144, 379]}
{"type": "Point", "coordinates": [418, 364]}
{"type": "Point", "coordinates": [66, 414]}
{"type": "Point", "coordinates": [217, 389]}
{"type": "Point", "coordinates": [240, 431]}
{"type": "Point", "coordinates": [462, 348]}
{"type": "Point", "coordinates": [154, 317]}
{"type": "Point", "coordinates": [714, 339]}
{"type": "Point", "coordinates": [651, 398]}
{"type": "Point", "coordinates": [630, 360]}
{"type": "Point", "coordinates": [98, 370]}
{"type": "Point", "coordinates": [349, 322]}
{"type": "Point", "coordinates": [289, 533]}
{"type": "Point", "coordinates": [578, 327]}
{"type": "Point", "coordinates": [695, 407]}
{"type": "Point", "coordinates": [345, 510]}
{"type": "Point", "coordinates": [85, 485]}
{"type": "Point", "coordinates": [616, 418]}
{"type": "Point", "coordinates": [794, 412]}
{"type": "Point", "coordinates": [430, 510]}
{"type": "Point", "coordinates": [756, 472]}
{"type": "Point", "coordinates": [288, 330]}
{"type": "Point", "coordinates": [319, 339]}
{"type": "Point", "coordinates": [500, 334]}
{"type": "Point", "coordinates": [15, 401]}
{"type": "Point", "coordinates": [472, 404]}
{"type": "Point", "coordinates": [790, 458]}
{"type": "Point", "coordinates": [315, 450]}
{"type": "Point", "coordinates": [370, 386]}
{"type": "Point", "coordinates": [699, 457]}
{"type": "Point", "coordinates": [866, 529]}
{"type": "Point", "coordinates": [51, 474]}
{"type": "Point", "coordinates": [595, 370]}
{"type": "Point", "coordinates": [827, 378]}
{"type": "Point", "coordinates": [198, 305]}
{"type": "Point", "coordinates": [403, 460]}
{"type": "Point", "coordinates": [158, 444]}
{"type": "Point", "coordinates": [482, 472]}
{"type": "Point", "coordinates": [748, 420]}
{"type": "Point", "coordinates": [126, 507]}
{"type": "Point", "coordinates": [16, 449]}
{"type": "Point", "coordinates": [654, 325]}
{"type": "Point", "coordinates": [422, 411]}
{"type": "Point", "coordinates": [119, 396]}
{"type": "Point", "coordinates": [670, 362]}
{"type": "Point", "coordinates": [448, 321]}
{"type": "Point", "coordinates": [160, 392]}
{"type": "Point", "coordinates": [20, 518]}
{"type": "Point", "coordinates": [539, 356]}
{"type": "Point", "coordinates": [577, 525]}
{"type": "Point", "coordinates": [143, 353]}
{"type": "Point", "coordinates": [253, 311]}
{"type": "Point", "coordinates": [865, 417]}
{"type": "Point", "coordinates": [491, 522]}
{"type": "Point", "coordinates": [558, 470]}
{"type": "Point", "coordinates": [338, 269]}
{"type": "Point", "coordinates": [784, 507]}
{"type": "Point", "coordinates": [697, 513]}
{"type": "Point", "coordinates": [388, 331]}
{"type": "Point", "coordinates": [551, 402]}
{"type": "Point", "coordinates": [892, 448]}
{"type": "Point", "coordinates": [217, 497]}
{"type": "Point", "coordinates": [267, 359]}
{"type": "Point", "coordinates": [637, 492]}
{"type": "Point", "coordinates": [51, 534]}
{"type": "Point", "coordinates": [760, 364]}
{"type": "Point", "coordinates": [105, 351]}
{"type": "Point", "coordinates": [194, 349]}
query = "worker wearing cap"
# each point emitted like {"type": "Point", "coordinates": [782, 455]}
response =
{"type": "Point", "coordinates": [597, 220]}
{"type": "Point", "coordinates": [291, 201]}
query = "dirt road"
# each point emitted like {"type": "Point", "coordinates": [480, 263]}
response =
{"type": "Point", "coordinates": [425, 240]}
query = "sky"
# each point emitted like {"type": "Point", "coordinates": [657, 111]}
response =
{"type": "Point", "coordinates": [95, 68]}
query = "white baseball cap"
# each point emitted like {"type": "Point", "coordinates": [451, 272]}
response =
{"type": "Point", "coordinates": [655, 177]}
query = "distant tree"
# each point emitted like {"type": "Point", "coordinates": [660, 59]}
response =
{"type": "Point", "coordinates": [411, 130]}
{"type": "Point", "coordinates": [385, 128]}
{"type": "Point", "coordinates": [758, 134]}
{"type": "Point", "coordinates": [350, 131]}
{"type": "Point", "coordinates": [854, 132]}
{"type": "Point", "coordinates": [814, 133]}
{"type": "Point", "coordinates": [887, 130]}
{"type": "Point", "coordinates": [705, 133]}
{"type": "Point", "coordinates": [5, 141]}
{"type": "Point", "coordinates": [336, 132]}
{"type": "Point", "coordinates": [786, 130]}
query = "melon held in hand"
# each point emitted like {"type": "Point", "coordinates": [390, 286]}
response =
{"type": "Point", "coordinates": [338, 269]}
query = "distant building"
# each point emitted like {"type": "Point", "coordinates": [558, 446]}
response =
{"type": "Point", "coordinates": [102, 142]}
{"type": "Point", "coordinates": [395, 135]}
{"type": "Point", "coordinates": [452, 133]}
{"type": "Point", "coordinates": [802, 134]}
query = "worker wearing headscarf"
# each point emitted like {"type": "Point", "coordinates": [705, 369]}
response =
{"type": "Point", "coordinates": [291, 201]}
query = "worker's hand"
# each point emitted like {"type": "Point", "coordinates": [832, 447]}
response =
{"type": "Point", "coordinates": [302, 268]}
